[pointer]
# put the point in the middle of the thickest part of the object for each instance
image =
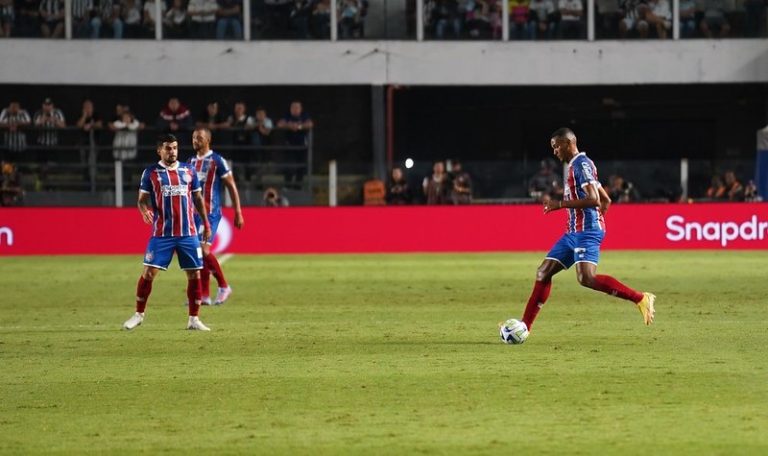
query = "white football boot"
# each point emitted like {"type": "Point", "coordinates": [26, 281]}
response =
{"type": "Point", "coordinates": [222, 295]}
{"type": "Point", "coordinates": [195, 324]}
{"type": "Point", "coordinates": [134, 321]}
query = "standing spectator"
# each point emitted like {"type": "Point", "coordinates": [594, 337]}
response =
{"type": "Point", "coordinates": [297, 123]}
{"type": "Point", "coordinates": [446, 16]}
{"type": "Point", "coordinates": [714, 20]}
{"type": "Point", "coordinates": [89, 122]}
{"type": "Point", "coordinates": [621, 191]}
{"type": "Point", "coordinates": [733, 188]}
{"type": "Point", "coordinates": [519, 16]}
{"type": "Point", "coordinates": [461, 184]}
{"type": "Point", "coordinates": [301, 12]}
{"type": "Point", "coordinates": [212, 118]}
{"type": "Point", "coordinates": [751, 194]}
{"type": "Point", "coordinates": [229, 17]}
{"type": "Point", "coordinates": [83, 18]}
{"type": "Point", "coordinates": [110, 16]}
{"type": "Point", "coordinates": [321, 20]}
{"type": "Point", "coordinates": [131, 16]}
{"type": "Point", "coordinates": [175, 21]}
{"type": "Point", "coordinates": [660, 17]}
{"type": "Point", "coordinates": [52, 18]}
{"type": "Point", "coordinates": [7, 18]}
{"type": "Point", "coordinates": [202, 17]}
{"type": "Point", "coordinates": [398, 192]}
{"type": "Point", "coordinates": [241, 124]}
{"type": "Point", "coordinates": [571, 23]}
{"type": "Point", "coordinates": [150, 9]}
{"type": "Point", "coordinates": [348, 17]}
{"type": "Point", "coordinates": [48, 120]}
{"type": "Point", "coordinates": [437, 186]}
{"type": "Point", "coordinates": [687, 18]}
{"type": "Point", "coordinates": [14, 120]}
{"type": "Point", "coordinates": [543, 19]}
{"type": "Point", "coordinates": [545, 183]}
{"type": "Point", "coordinates": [635, 18]}
{"type": "Point", "coordinates": [174, 117]}
{"type": "Point", "coordinates": [263, 128]}
{"type": "Point", "coordinates": [28, 18]}
{"type": "Point", "coordinates": [10, 185]}
{"type": "Point", "coordinates": [126, 136]}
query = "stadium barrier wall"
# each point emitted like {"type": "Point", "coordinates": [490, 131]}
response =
{"type": "Point", "coordinates": [53, 231]}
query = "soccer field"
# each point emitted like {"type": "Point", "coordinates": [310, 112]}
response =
{"type": "Point", "coordinates": [390, 354]}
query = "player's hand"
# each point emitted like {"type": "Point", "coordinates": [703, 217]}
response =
{"type": "Point", "coordinates": [239, 220]}
{"type": "Point", "coordinates": [552, 205]}
{"type": "Point", "coordinates": [148, 217]}
{"type": "Point", "coordinates": [206, 233]}
{"type": "Point", "coordinates": [604, 205]}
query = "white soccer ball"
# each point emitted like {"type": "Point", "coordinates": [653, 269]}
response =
{"type": "Point", "coordinates": [513, 332]}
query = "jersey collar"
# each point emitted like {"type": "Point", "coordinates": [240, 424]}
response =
{"type": "Point", "coordinates": [172, 168]}
{"type": "Point", "coordinates": [574, 158]}
{"type": "Point", "coordinates": [206, 155]}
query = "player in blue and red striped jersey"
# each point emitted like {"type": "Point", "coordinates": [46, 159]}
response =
{"type": "Point", "coordinates": [213, 171]}
{"type": "Point", "coordinates": [167, 194]}
{"type": "Point", "coordinates": [586, 202]}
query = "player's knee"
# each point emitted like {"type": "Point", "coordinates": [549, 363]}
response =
{"type": "Point", "coordinates": [586, 280]}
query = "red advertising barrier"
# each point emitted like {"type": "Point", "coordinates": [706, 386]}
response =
{"type": "Point", "coordinates": [44, 231]}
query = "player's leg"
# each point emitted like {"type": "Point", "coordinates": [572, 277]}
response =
{"type": "Point", "coordinates": [587, 255]}
{"type": "Point", "coordinates": [212, 264]}
{"type": "Point", "coordinates": [205, 275]}
{"type": "Point", "coordinates": [157, 257]}
{"type": "Point", "coordinates": [191, 261]}
{"type": "Point", "coordinates": [557, 259]}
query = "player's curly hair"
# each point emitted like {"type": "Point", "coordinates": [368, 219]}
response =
{"type": "Point", "coordinates": [165, 138]}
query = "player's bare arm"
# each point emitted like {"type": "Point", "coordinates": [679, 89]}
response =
{"type": "Point", "coordinates": [229, 181]}
{"type": "Point", "coordinates": [144, 208]}
{"type": "Point", "coordinates": [592, 200]}
{"type": "Point", "coordinates": [197, 197]}
{"type": "Point", "coordinates": [605, 200]}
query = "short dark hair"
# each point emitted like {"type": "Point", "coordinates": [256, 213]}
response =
{"type": "Point", "coordinates": [564, 132]}
{"type": "Point", "coordinates": [166, 138]}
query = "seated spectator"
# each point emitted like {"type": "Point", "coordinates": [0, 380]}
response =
{"type": "Point", "coordinates": [519, 20]}
{"type": "Point", "coordinates": [124, 145]}
{"type": "Point", "coordinates": [571, 19]}
{"type": "Point", "coordinates": [273, 198]}
{"type": "Point", "coordinates": [436, 187]}
{"type": "Point", "coordinates": [687, 18]}
{"type": "Point", "coordinates": [7, 18]}
{"type": "Point", "coordinates": [175, 21]}
{"type": "Point", "coordinates": [714, 20]}
{"type": "Point", "coordinates": [543, 19]}
{"type": "Point", "coordinates": [110, 17]}
{"type": "Point", "coordinates": [461, 184]}
{"type": "Point", "coordinates": [301, 12]}
{"type": "Point", "coordinates": [229, 17]}
{"type": "Point", "coordinates": [212, 118]}
{"type": "Point", "coordinates": [398, 192]}
{"type": "Point", "coordinates": [263, 128]}
{"type": "Point", "coordinates": [28, 18]}
{"type": "Point", "coordinates": [84, 15]}
{"type": "Point", "coordinates": [241, 124]}
{"type": "Point", "coordinates": [320, 23]}
{"type": "Point", "coordinates": [202, 18]}
{"type": "Point", "coordinates": [733, 188]}
{"type": "Point", "coordinates": [89, 123]}
{"type": "Point", "coordinates": [635, 18]}
{"type": "Point", "coordinates": [545, 183]}
{"type": "Point", "coordinates": [660, 17]}
{"type": "Point", "coordinates": [148, 20]}
{"type": "Point", "coordinates": [14, 120]}
{"type": "Point", "coordinates": [52, 18]}
{"type": "Point", "coordinates": [445, 16]}
{"type": "Point", "coordinates": [297, 124]}
{"type": "Point", "coordinates": [621, 191]}
{"type": "Point", "coordinates": [348, 18]}
{"type": "Point", "coordinates": [174, 117]}
{"type": "Point", "coordinates": [750, 193]}
{"type": "Point", "coordinates": [716, 189]}
{"type": "Point", "coordinates": [130, 13]}
{"type": "Point", "coordinates": [10, 185]}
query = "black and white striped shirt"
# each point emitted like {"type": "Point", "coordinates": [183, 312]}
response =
{"type": "Point", "coordinates": [15, 141]}
{"type": "Point", "coordinates": [81, 8]}
{"type": "Point", "coordinates": [52, 7]}
{"type": "Point", "coordinates": [48, 135]}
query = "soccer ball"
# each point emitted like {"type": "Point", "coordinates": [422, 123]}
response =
{"type": "Point", "coordinates": [513, 332]}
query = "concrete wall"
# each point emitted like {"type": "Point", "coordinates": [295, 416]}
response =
{"type": "Point", "coordinates": [382, 62]}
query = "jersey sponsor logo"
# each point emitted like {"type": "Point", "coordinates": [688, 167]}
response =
{"type": "Point", "coordinates": [722, 232]}
{"type": "Point", "coordinates": [174, 190]}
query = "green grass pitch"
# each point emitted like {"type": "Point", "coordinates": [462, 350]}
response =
{"type": "Point", "coordinates": [386, 354]}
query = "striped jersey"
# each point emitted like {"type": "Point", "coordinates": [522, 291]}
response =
{"type": "Point", "coordinates": [170, 190]}
{"type": "Point", "coordinates": [579, 173]}
{"type": "Point", "coordinates": [211, 168]}
{"type": "Point", "coordinates": [15, 141]}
